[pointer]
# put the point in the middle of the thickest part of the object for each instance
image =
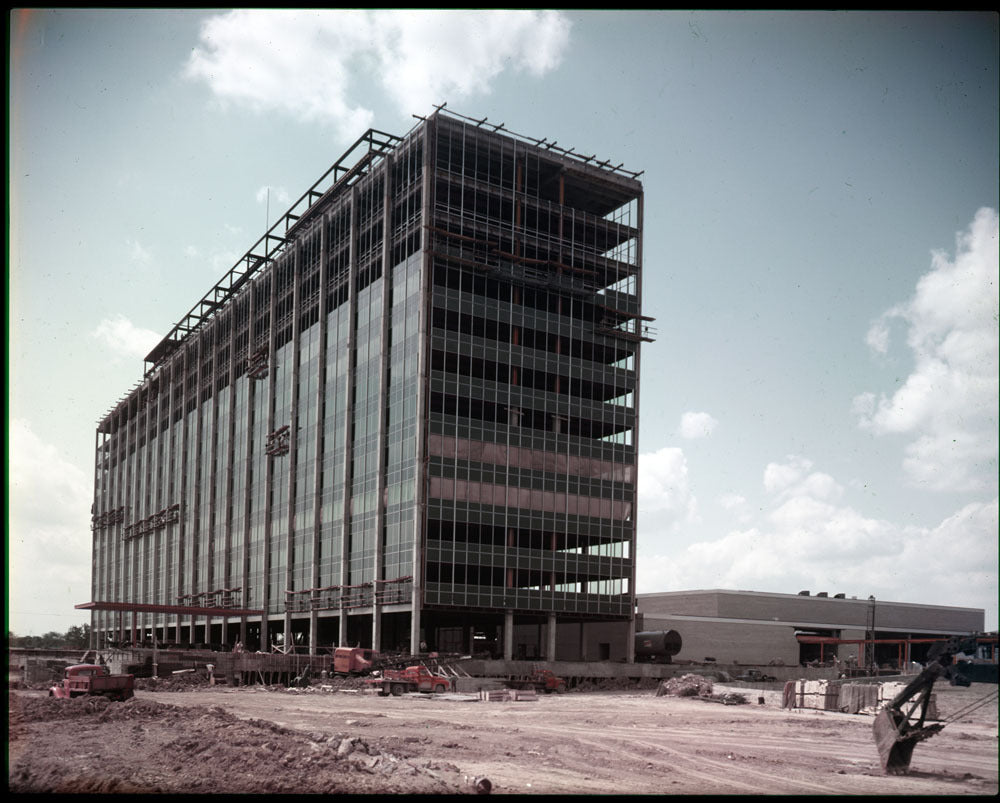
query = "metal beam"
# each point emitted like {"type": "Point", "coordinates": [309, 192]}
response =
{"type": "Point", "coordinates": [187, 610]}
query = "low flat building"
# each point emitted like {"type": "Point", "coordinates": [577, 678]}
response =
{"type": "Point", "coordinates": [755, 627]}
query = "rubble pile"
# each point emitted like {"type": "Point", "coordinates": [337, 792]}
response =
{"type": "Point", "coordinates": [182, 681]}
{"type": "Point", "coordinates": [616, 684]}
{"type": "Point", "coordinates": [685, 686]}
{"type": "Point", "coordinates": [44, 709]}
{"type": "Point", "coordinates": [209, 750]}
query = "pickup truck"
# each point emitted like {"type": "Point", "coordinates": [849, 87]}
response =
{"type": "Point", "coordinates": [93, 679]}
{"type": "Point", "coordinates": [754, 676]}
{"type": "Point", "coordinates": [413, 678]}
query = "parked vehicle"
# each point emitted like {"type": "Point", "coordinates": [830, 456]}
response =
{"type": "Point", "coordinates": [354, 661]}
{"type": "Point", "coordinates": [413, 678]}
{"type": "Point", "coordinates": [754, 676]}
{"type": "Point", "coordinates": [93, 679]}
{"type": "Point", "coordinates": [542, 680]}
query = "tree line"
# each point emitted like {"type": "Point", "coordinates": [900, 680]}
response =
{"type": "Point", "coordinates": [77, 637]}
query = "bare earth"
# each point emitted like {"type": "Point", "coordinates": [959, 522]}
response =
{"type": "Point", "coordinates": [266, 739]}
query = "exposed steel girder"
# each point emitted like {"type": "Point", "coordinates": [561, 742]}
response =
{"type": "Point", "coordinates": [145, 607]}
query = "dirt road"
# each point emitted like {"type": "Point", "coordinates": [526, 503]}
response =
{"type": "Point", "coordinates": [255, 739]}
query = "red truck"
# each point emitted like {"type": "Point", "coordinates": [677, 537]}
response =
{"type": "Point", "coordinates": [413, 678]}
{"type": "Point", "coordinates": [353, 660]}
{"type": "Point", "coordinates": [541, 679]}
{"type": "Point", "coordinates": [94, 679]}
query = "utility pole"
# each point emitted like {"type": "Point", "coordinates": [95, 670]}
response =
{"type": "Point", "coordinates": [870, 664]}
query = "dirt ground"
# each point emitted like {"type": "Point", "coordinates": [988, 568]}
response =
{"type": "Point", "coordinates": [195, 738]}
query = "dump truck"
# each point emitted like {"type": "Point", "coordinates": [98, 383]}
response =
{"type": "Point", "coordinates": [543, 680]}
{"type": "Point", "coordinates": [414, 678]}
{"type": "Point", "coordinates": [93, 679]}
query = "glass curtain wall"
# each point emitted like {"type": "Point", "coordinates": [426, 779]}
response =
{"type": "Point", "coordinates": [532, 452]}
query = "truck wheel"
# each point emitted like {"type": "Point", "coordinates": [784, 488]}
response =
{"type": "Point", "coordinates": [438, 689]}
{"type": "Point", "coordinates": [397, 690]}
{"type": "Point", "coordinates": [561, 688]}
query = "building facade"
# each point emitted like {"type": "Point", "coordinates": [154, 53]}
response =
{"type": "Point", "coordinates": [407, 416]}
{"type": "Point", "coordinates": [756, 627]}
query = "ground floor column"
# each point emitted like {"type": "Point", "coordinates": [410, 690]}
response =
{"type": "Point", "coordinates": [377, 627]}
{"type": "Point", "coordinates": [508, 636]}
{"type": "Point", "coordinates": [550, 646]}
{"type": "Point", "coordinates": [415, 620]}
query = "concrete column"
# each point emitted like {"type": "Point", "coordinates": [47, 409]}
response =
{"type": "Point", "coordinates": [423, 374]}
{"type": "Point", "coordinates": [550, 646]}
{"type": "Point", "coordinates": [244, 574]}
{"type": "Point", "coordinates": [272, 373]}
{"type": "Point", "coordinates": [352, 301]}
{"type": "Point", "coordinates": [324, 313]}
{"type": "Point", "coordinates": [378, 573]}
{"type": "Point", "coordinates": [293, 446]}
{"type": "Point", "coordinates": [508, 635]}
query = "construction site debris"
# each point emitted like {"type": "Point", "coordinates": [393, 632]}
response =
{"type": "Point", "coordinates": [847, 697]}
{"type": "Point", "coordinates": [614, 684]}
{"type": "Point", "coordinates": [508, 695]}
{"type": "Point", "coordinates": [726, 698]}
{"type": "Point", "coordinates": [233, 754]}
{"type": "Point", "coordinates": [559, 745]}
{"type": "Point", "coordinates": [685, 686]}
{"type": "Point", "coordinates": [483, 786]}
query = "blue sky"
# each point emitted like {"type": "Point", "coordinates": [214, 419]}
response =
{"type": "Point", "coordinates": [819, 410]}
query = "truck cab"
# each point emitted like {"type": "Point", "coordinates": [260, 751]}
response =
{"type": "Point", "coordinates": [93, 679]}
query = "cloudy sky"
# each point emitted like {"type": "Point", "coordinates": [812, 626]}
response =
{"type": "Point", "coordinates": [819, 409]}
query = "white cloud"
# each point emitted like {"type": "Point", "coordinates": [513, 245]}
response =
{"type": "Point", "coordinates": [804, 538]}
{"type": "Point", "coordinates": [878, 336]}
{"type": "Point", "coordinates": [125, 338]}
{"type": "Point", "coordinates": [48, 531]}
{"type": "Point", "coordinates": [428, 57]}
{"type": "Point", "coordinates": [664, 490]}
{"type": "Point", "coordinates": [696, 425]}
{"type": "Point", "coordinates": [948, 405]}
{"type": "Point", "coordinates": [304, 63]}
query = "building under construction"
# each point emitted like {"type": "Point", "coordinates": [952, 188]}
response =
{"type": "Point", "coordinates": [407, 416]}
